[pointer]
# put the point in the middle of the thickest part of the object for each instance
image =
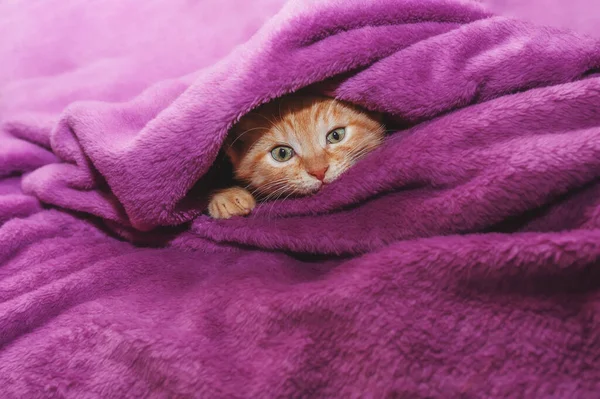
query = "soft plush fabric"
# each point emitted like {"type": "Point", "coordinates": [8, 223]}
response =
{"type": "Point", "coordinates": [461, 259]}
{"type": "Point", "coordinates": [579, 15]}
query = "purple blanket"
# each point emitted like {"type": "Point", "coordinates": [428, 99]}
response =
{"type": "Point", "coordinates": [461, 259]}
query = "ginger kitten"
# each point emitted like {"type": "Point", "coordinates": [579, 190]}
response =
{"type": "Point", "coordinates": [293, 146]}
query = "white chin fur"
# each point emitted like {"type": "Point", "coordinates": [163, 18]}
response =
{"type": "Point", "coordinates": [309, 187]}
{"type": "Point", "coordinates": [333, 175]}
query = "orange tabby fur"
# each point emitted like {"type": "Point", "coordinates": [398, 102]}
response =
{"type": "Point", "coordinates": [303, 124]}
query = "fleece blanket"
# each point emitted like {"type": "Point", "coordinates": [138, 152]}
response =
{"type": "Point", "coordinates": [460, 259]}
{"type": "Point", "coordinates": [579, 15]}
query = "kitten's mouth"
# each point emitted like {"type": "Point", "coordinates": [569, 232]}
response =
{"type": "Point", "coordinates": [318, 188]}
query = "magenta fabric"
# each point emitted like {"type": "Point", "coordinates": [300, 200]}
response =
{"type": "Point", "coordinates": [582, 16]}
{"type": "Point", "coordinates": [461, 259]}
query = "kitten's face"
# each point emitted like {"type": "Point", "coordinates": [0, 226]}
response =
{"type": "Point", "coordinates": [296, 145]}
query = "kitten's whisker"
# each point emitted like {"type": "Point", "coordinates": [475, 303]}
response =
{"type": "Point", "coordinates": [271, 208]}
{"type": "Point", "coordinates": [294, 191]}
{"type": "Point", "coordinates": [273, 183]}
{"type": "Point", "coordinates": [360, 149]}
{"type": "Point", "coordinates": [371, 146]}
{"type": "Point", "coordinates": [270, 185]}
{"type": "Point", "coordinates": [249, 130]}
{"type": "Point", "coordinates": [277, 199]}
{"type": "Point", "coordinates": [361, 143]}
{"type": "Point", "coordinates": [277, 193]}
{"type": "Point", "coordinates": [368, 139]}
{"type": "Point", "coordinates": [356, 157]}
{"type": "Point", "coordinates": [360, 152]}
{"type": "Point", "coordinates": [262, 191]}
{"type": "Point", "coordinates": [273, 123]}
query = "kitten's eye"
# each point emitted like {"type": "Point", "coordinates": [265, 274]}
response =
{"type": "Point", "coordinates": [282, 153]}
{"type": "Point", "coordinates": [337, 135]}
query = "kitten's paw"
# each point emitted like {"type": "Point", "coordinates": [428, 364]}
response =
{"type": "Point", "coordinates": [233, 201]}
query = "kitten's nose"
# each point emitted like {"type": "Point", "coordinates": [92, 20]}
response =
{"type": "Point", "coordinates": [318, 173]}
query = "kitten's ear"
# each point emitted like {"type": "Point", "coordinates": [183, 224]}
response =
{"type": "Point", "coordinates": [236, 142]}
{"type": "Point", "coordinates": [232, 148]}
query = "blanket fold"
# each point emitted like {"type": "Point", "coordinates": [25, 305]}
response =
{"type": "Point", "coordinates": [457, 260]}
{"type": "Point", "coordinates": [189, 122]}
